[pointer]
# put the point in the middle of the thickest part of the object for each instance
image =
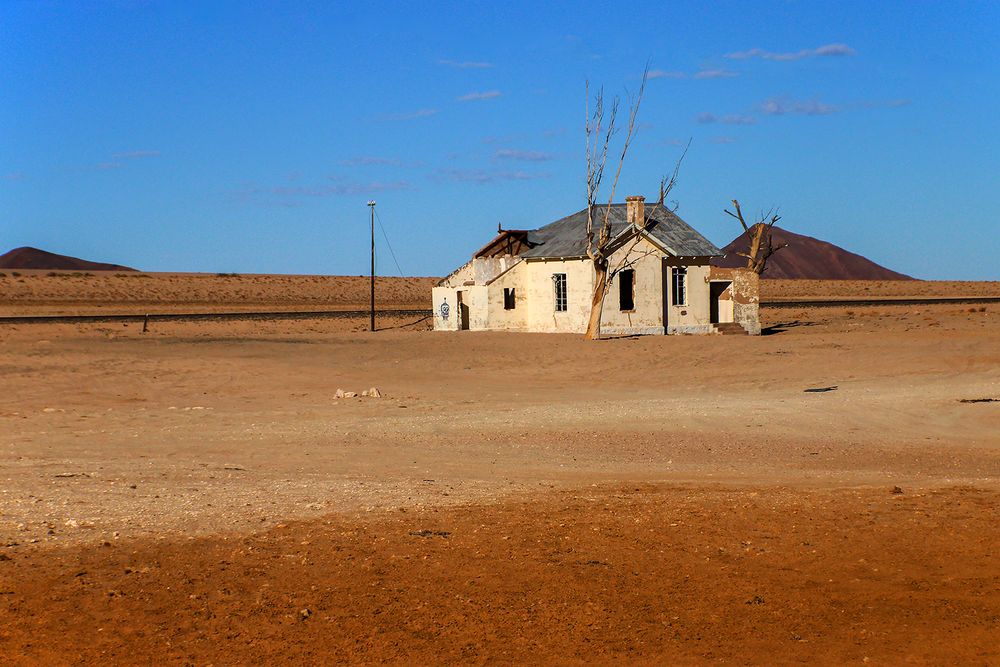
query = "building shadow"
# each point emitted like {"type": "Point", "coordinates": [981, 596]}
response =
{"type": "Point", "coordinates": [403, 326]}
{"type": "Point", "coordinates": [782, 327]}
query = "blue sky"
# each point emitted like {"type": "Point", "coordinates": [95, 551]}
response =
{"type": "Point", "coordinates": [247, 136]}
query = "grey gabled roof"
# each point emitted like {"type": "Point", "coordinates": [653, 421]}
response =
{"type": "Point", "coordinates": [568, 237]}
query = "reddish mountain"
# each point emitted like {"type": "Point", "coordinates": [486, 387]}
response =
{"type": "Point", "coordinates": [809, 258]}
{"type": "Point", "coordinates": [33, 258]}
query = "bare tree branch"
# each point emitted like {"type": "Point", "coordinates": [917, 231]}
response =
{"type": "Point", "coordinates": [760, 247]}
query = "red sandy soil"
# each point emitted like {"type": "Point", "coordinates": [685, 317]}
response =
{"type": "Point", "coordinates": [33, 258]}
{"type": "Point", "coordinates": [195, 494]}
{"type": "Point", "coordinates": [617, 574]}
{"type": "Point", "coordinates": [808, 258]}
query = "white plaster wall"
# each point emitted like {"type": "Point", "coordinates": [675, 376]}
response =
{"type": "Point", "coordinates": [480, 270]}
{"type": "Point", "coordinates": [509, 320]}
{"type": "Point", "coordinates": [695, 316]}
{"type": "Point", "coordinates": [459, 276]}
{"type": "Point", "coordinates": [647, 316]}
{"type": "Point", "coordinates": [440, 295]}
{"type": "Point", "coordinates": [477, 297]}
{"type": "Point", "coordinates": [540, 294]}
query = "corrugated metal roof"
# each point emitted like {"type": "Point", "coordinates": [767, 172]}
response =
{"type": "Point", "coordinates": [568, 237]}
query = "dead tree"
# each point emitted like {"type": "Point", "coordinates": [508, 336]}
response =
{"type": "Point", "coordinates": [600, 131]}
{"type": "Point", "coordinates": [760, 247]}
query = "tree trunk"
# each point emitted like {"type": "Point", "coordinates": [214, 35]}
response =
{"type": "Point", "coordinates": [597, 303]}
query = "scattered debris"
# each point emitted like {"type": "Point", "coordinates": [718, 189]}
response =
{"type": "Point", "coordinates": [897, 490]}
{"type": "Point", "coordinates": [820, 390]}
{"type": "Point", "coordinates": [71, 474]}
{"type": "Point", "coordinates": [979, 400]}
{"type": "Point", "coordinates": [755, 600]}
{"type": "Point", "coordinates": [430, 533]}
{"type": "Point", "coordinates": [367, 393]}
{"type": "Point", "coordinates": [232, 467]}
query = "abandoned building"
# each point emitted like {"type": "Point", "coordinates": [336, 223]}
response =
{"type": "Point", "coordinates": [542, 280]}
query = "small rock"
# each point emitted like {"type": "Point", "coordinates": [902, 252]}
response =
{"type": "Point", "coordinates": [304, 613]}
{"type": "Point", "coordinates": [71, 523]}
{"type": "Point", "coordinates": [897, 489]}
{"type": "Point", "coordinates": [339, 394]}
{"type": "Point", "coordinates": [350, 394]}
{"type": "Point", "coordinates": [373, 393]}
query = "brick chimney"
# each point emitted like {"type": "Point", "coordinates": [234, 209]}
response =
{"type": "Point", "coordinates": [635, 210]}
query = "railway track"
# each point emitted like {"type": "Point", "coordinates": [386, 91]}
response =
{"type": "Point", "coordinates": [193, 317]}
{"type": "Point", "coordinates": [426, 312]}
{"type": "Point", "coordinates": [918, 301]}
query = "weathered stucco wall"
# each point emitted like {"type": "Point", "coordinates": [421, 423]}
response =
{"type": "Point", "coordinates": [509, 320]}
{"type": "Point", "coordinates": [647, 315]}
{"type": "Point", "coordinates": [695, 315]}
{"type": "Point", "coordinates": [745, 295]}
{"type": "Point", "coordinates": [479, 271]}
{"type": "Point", "coordinates": [474, 296]}
{"type": "Point", "coordinates": [541, 295]}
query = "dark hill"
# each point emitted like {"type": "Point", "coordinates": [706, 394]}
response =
{"type": "Point", "coordinates": [808, 258]}
{"type": "Point", "coordinates": [33, 258]}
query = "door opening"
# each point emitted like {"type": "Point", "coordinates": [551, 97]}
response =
{"type": "Point", "coordinates": [463, 312]}
{"type": "Point", "coordinates": [720, 302]}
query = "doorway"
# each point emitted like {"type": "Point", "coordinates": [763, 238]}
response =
{"type": "Point", "coordinates": [463, 312]}
{"type": "Point", "coordinates": [720, 302]}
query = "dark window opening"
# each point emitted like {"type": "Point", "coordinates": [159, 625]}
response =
{"type": "Point", "coordinates": [626, 290]}
{"type": "Point", "coordinates": [680, 286]}
{"type": "Point", "coordinates": [508, 298]}
{"type": "Point", "coordinates": [559, 280]}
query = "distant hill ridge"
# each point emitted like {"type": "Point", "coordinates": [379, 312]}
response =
{"type": "Point", "coordinates": [33, 258]}
{"type": "Point", "coordinates": [808, 258]}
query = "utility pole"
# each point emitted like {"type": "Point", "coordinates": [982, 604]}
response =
{"type": "Point", "coordinates": [371, 205]}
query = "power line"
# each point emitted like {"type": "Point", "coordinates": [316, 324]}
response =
{"type": "Point", "coordinates": [386, 236]}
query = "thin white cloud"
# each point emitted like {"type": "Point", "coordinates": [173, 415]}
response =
{"type": "Point", "coordinates": [108, 166]}
{"type": "Point", "coordinates": [664, 74]}
{"type": "Point", "coordinates": [715, 74]}
{"type": "Point", "coordinates": [409, 115]}
{"type": "Point", "coordinates": [377, 161]}
{"type": "Point", "coordinates": [483, 176]}
{"type": "Point", "coordinates": [365, 160]}
{"type": "Point", "coordinates": [706, 118]}
{"type": "Point", "coordinates": [523, 156]}
{"type": "Point", "coordinates": [131, 155]}
{"type": "Point", "coordinates": [723, 140]}
{"type": "Point", "coordinates": [485, 95]}
{"type": "Point", "coordinates": [825, 51]}
{"type": "Point", "coordinates": [292, 195]}
{"type": "Point", "coordinates": [465, 64]}
{"type": "Point", "coordinates": [779, 106]}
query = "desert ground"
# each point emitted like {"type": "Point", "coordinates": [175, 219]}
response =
{"type": "Point", "coordinates": [197, 495]}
